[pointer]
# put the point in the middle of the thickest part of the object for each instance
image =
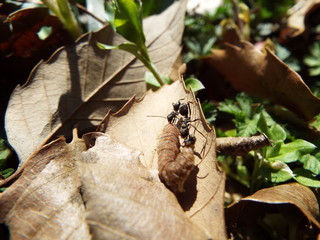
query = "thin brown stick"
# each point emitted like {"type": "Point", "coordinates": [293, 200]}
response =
{"type": "Point", "coordinates": [239, 146]}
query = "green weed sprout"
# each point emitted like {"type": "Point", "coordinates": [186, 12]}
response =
{"type": "Point", "coordinates": [125, 17]}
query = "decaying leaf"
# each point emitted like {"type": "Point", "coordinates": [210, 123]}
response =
{"type": "Point", "coordinates": [45, 201]}
{"type": "Point", "coordinates": [125, 200]}
{"type": "Point", "coordinates": [80, 82]}
{"type": "Point", "coordinates": [264, 75]}
{"type": "Point", "coordinates": [66, 192]}
{"type": "Point", "coordinates": [136, 126]}
{"type": "Point", "coordinates": [297, 16]}
{"type": "Point", "coordinates": [242, 216]}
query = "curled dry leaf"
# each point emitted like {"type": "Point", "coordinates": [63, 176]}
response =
{"type": "Point", "coordinates": [249, 208]}
{"type": "Point", "coordinates": [78, 83]}
{"type": "Point", "coordinates": [140, 123]}
{"type": "Point", "coordinates": [297, 16]}
{"type": "Point", "coordinates": [264, 75]}
{"type": "Point", "coordinates": [125, 200]}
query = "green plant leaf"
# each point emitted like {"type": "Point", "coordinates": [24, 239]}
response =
{"type": "Point", "coordinates": [311, 61]}
{"type": "Point", "coordinates": [128, 21]}
{"type": "Point", "coordinates": [129, 47]}
{"type": "Point", "coordinates": [273, 130]}
{"type": "Point", "coordinates": [248, 128]}
{"type": "Point", "coordinates": [228, 106]}
{"type": "Point", "coordinates": [311, 163]}
{"type": "Point", "coordinates": [316, 122]}
{"type": "Point", "coordinates": [5, 153]}
{"type": "Point", "coordinates": [153, 82]}
{"type": "Point", "coordinates": [262, 125]}
{"type": "Point", "coordinates": [210, 111]}
{"type": "Point", "coordinates": [306, 178]}
{"type": "Point", "coordinates": [314, 71]}
{"type": "Point", "coordinates": [273, 151]}
{"type": "Point", "coordinates": [291, 152]}
{"type": "Point", "coordinates": [7, 172]}
{"type": "Point", "coordinates": [277, 133]}
{"type": "Point", "coordinates": [245, 103]}
{"type": "Point", "coordinates": [194, 84]}
{"type": "Point", "coordinates": [276, 172]}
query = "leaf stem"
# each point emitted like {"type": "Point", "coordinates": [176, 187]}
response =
{"type": "Point", "coordinates": [144, 58]}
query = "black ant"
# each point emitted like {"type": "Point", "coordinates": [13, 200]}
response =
{"type": "Point", "coordinates": [179, 108]}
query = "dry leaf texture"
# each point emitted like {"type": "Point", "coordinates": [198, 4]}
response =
{"type": "Point", "coordinates": [297, 15]}
{"type": "Point", "coordinates": [80, 82]}
{"type": "Point", "coordinates": [119, 197]}
{"type": "Point", "coordinates": [45, 201]}
{"type": "Point", "coordinates": [297, 195]}
{"type": "Point", "coordinates": [125, 200]}
{"type": "Point", "coordinates": [203, 199]}
{"type": "Point", "coordinates": [266, 76]}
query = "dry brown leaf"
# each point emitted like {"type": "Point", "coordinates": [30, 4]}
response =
{"type": "Point", "coordinates": [264, 75]}
{"type": "Point", "coordinates": [119, 197]}
{"type": "Point", "coordinates": [297, 16]}
{"type": "Point", "coordinates": [247, 209]}
{"type": "Point", "coordinates": [204, 197]}
{"type": "Point", "coordinates": [125, 200]}
{"type": "Point", "coordinates": [80, 82]}
{"type": "Point", "coordinates": [45, 201]}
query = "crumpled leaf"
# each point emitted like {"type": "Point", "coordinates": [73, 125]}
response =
{"type": "Point", "coordinates": [66, 192]}
{"type": "Point", "coordinates": [80, 82]}
{"type": "Point", "coordinates": [44, 202]}
{"type": "Point", "coordinates": [125, 200]}
{"type": "Point", "coordinates": [138, 126]}
{"type": "Point", "coordinates": [244, 213]}
{"type": "Point", "coordinates": [264, 75]}
{"type": "Point", "coordinates": [297, 16]}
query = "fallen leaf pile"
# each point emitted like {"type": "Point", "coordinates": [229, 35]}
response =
{"type": "Point", "coordinates": [105, 185]}
{"type": "Point", "coordinates": [79, 83]}
{"type": "Point", "coordinates": [107, 191]}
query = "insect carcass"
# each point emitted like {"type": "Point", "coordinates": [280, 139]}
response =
{"type": "Point", "coordinates": [175, 165]}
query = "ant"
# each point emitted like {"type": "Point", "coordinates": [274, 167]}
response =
{"type": "Point", "coordinates": [179, 108]}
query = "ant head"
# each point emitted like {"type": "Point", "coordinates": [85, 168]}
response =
{"type": "Point", "coordinates": [176, 106]}
{"type": "Point", "coordinates": [184, 109]}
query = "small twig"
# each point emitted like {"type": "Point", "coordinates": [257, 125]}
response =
{"type": "Point", "coordinates": [239, 146]}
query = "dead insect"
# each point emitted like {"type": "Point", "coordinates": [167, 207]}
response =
{"type": "Point", "coordinates": [175, 172]}
{"type": "Point", "coordinates": [176, 162]}
{"type": "Point", "coordinates": [168, 147]}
